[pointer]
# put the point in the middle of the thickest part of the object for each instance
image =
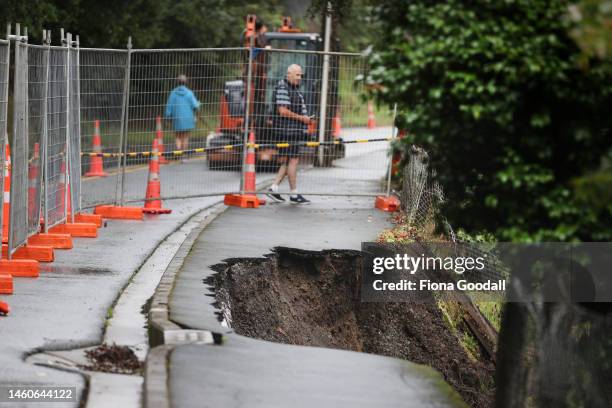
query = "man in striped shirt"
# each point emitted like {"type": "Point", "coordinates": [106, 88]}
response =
{"type": "Point", "coordinates": [290, 123]}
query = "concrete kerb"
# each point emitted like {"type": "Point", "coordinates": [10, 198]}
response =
{"type": "Point", "coordinates": [156, 392]}
{"type": "Point", "coordinates": [161, 329]}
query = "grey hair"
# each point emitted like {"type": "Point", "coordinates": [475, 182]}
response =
{"type": "Point", "coordinates": [293, 68]}
{"type": "Point", "coordinates": [182, 79]}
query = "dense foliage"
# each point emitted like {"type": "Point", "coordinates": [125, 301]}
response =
{"type": "Point", "coordinates": [151, 23]}
{"type": "Point", "coordinates": [514, 115]}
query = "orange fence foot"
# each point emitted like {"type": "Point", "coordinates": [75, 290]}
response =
{"type": "Point", "coordinates": [387, 203]}
{"type": "Point", "coordinates": [243, 200]}
{"type": "Point", "coordinates": [119, 213]}
{"type": "Point", "coordinates": [6, 284]}
{"type": "Point", "coordinates": [28, 268]}
{"type": "Point", "coordinates": [76, 229]}
{"type": "Point", "coordinates": [57, 241]}
{"type": "Point", "coordinates": [39, 253]}
{"type": "Point", "coordinates": [4, 308]}
{"type": "Point", "coordinates": [88, 218]}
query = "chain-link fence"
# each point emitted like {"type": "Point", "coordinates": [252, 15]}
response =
{"type": "Point", "coordinates": [553, 346]}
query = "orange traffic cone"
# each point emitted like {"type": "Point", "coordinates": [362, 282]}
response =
{"type": "Point", "coordinates": [371, 118]}
{"type": "Point", "coordinates": [96, 163]}
{"type": "Point", "coordinates": [249, 173]}
{"type": "Point", "coordinates": [249, 199]}
{"type": "Point", "coordinates": [336, 126]}
{"type": "Point", "coordinates": [4, 308]}
{"type": "Point", "coordinates": [159, 134]}
{"type": "Point", "coordinates": [153, 204]}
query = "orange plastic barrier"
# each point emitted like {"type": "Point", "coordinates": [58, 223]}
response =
{"type": "Point", "coordinates": [119, 213]}
{"type": "Point", "coordinates": [387, 203]}
{"type": "Point", "coordinates": [56, 241]}
{"type": "Point", "coordinates": [28, 252]}
{"type": "Point", "coordinates": [6, 284]}
{"type": "Point", "coordinates": [20, 267]}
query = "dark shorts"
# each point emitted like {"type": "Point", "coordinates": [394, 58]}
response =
{"type": "Point", "coordinates": [294, 149]}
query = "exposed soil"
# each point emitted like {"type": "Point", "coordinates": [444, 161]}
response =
{"type": "Point", "coordinates": [313, 298]}
{"type": "Point", "coordinates": [113, 359]}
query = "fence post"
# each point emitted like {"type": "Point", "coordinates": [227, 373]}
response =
{"type": "Point", "coordinates": [124, 125]}
{"type": "Point", "coordinates": [324, 87]}
{"type": "Point", "coordinates": [4, 115]}
{"type": "Point", "coordinates": [42, 202]}
{"type": "Point", "coordinates": [66, 43]}
{"type": "Point", "coordinates": [247, 113]}
{"type": "Point", "coordinates": [45, 135]}
{"type": "Point", "coordinates": [393, 136]}
{"type": "Point", "coordinates": [19, 136]}
{"type": "Point", "coordinates": [75, 190]}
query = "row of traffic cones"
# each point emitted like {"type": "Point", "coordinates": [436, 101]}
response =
{"type": "Point", "coordinates": [96, 163]}
{"type": "Point", "coordinates": [25, 260]}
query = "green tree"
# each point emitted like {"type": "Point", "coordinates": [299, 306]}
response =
{"type": "Point", "coordinates": [501, 96]}
{"type": "Point", "coordinates": [150, 23]}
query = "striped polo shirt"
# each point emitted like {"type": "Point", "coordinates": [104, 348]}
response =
{"type": "Point", "coordinates": [289, 96]}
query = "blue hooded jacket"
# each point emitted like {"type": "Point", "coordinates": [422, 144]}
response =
{"type": "Point", "coordinates": [180, 108]}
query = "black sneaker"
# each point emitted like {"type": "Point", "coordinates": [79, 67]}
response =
{"type": "Point", "coordinates": [276, 197]}
{"type": "Point", "coordinates": [299, 199]}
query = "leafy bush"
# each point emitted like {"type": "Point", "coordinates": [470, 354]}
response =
{"type": "Point", "coordinates": [508, 108]}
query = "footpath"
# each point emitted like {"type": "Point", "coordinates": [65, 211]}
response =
{"type": "Point", "coordinates": [237, 371]}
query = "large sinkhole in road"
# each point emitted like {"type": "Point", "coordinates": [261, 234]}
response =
{"type": "Point", "coordinates": [313, 298]}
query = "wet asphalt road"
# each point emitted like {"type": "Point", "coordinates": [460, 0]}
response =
{"type": "Point", "coordinates": [67, 305]}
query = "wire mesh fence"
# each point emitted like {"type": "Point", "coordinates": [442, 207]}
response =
{"type": "Point", "coordinates": [102, 82]}
{"type": "Point", "coordinates": [57, 128]}
{"type": "Point", "coordinates": [4, 92]}
{"type": "Point", "coordinates": [175, 96]}
{"type": "Point", "coordinates": [74, 128]}
{"type": "Point", "coordinates": [18, 227]}
{"type": "Point", "coordinates": [89, 118]}
{"type": "Point", "coordinates": [37, 89]}
{"type": "Point", "coordinates": [329, 138]}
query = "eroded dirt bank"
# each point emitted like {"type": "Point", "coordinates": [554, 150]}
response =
{"type": "Point", "coordinates": [313, 298]}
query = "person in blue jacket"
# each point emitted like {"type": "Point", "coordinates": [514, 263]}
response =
{"type": "Point", "coordinates": [180, 108]}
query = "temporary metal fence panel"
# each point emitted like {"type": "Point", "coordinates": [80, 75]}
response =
{"type": "Point", "coordinates": [37, 88]}
{"type": "Point", "coordinates": [345, 156]}
{"type": "Point", "coordinates": [57, 127]}
{"type": "Point", "coordinates": [199, 123]}
{"type": "Point", "coordinates": [18, 218]}
{"type": "Point", "coordinates": [102, 78]}
{"type": "Point", "coordinates": [4, 85]}
{"type": "Point", "coordinates": [200, 127]}
{"type": "Point", "coordinates": [74, 106]}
